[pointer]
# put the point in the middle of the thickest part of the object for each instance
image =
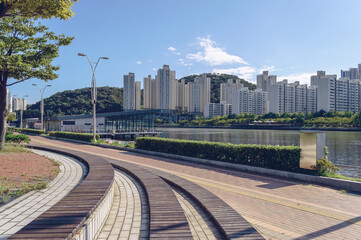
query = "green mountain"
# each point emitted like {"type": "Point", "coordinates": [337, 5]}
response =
{"type": "Point", "coordinates": [76, 102]}
{"type": "Point", "coordinates": [110, 99]}
{"type": "Point", "coordinates": [216, 80]}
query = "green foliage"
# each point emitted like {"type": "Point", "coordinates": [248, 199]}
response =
{"type": "Point", "coordinates": [10, 117]}
{"type": "Point", "coordinates": [77, 102]}
{"type": "Point", "coordinates": [325, 166]}
{"type": "Point", "coordinates": [216, 80]}
{"type": "Point", "coordinates": [19, 138]}
{"type": "Point", "coordinates": [32, 131]}
{"type": "Point", "coordinates": [12, 148]}
{"type": "Point", "coordinates": [10, 130]}
{"type": "Point", "coordinates": [275, 157]}
{"type": "Point", "coordinates": [37, 8]}
{"type": "Point", "coordinates": [76, 136]}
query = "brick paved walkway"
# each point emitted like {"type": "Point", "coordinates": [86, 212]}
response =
{"type": "Point", "coordinates": [128, 212]}
{"type": "Point", "coordinates": [18, 213]}
{"type": "Point", "coordinates": [278, 208]}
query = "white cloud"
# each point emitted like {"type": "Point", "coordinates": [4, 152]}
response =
{"type": "Point", "coordinates": [266, 68]}
{"type": "Point", "coordinates": [301, 77]}
{"type": "Point", "coordinates": [184, 63]}
{"type": "Point", "coordinates": [213, 55]}
{"type": "Point", "coordinates": [139, 62]}
{"type": "Point", "coordinates": [174, 50]}
{"type": "Point", "coordinates": [154, 69]}
{"type": "Point", "coordinates": [245, 72]}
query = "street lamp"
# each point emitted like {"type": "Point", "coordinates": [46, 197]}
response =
{"type": "Point", "coordinates": [94, 89]}
{"type": "Point", "coordinates": [42, 103]}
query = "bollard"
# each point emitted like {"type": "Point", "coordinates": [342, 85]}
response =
{"type": "Point", "coordinates": [312, 144]}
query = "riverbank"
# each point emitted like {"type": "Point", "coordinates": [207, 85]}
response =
{"type": "Point", "coordinates": [265, 127]}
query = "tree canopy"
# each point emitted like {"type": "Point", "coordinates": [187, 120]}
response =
{"type": "Point", "coordinates": [37, 8]}
{"type": "Point", "coordinates": [77, 102]}
{"type": "Point", "coordinates": [26, 51]}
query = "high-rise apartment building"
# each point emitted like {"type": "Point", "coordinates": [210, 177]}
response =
{"type": "Point", "coordinates": [287, 97]}
{"type": "Point", "coordinates": [129, 92]}
{"type": "Point", "coordinates": [8, 101]}
{"type": "Point", "coordinates": [137, 95]}
{"type": "Point", "coordinates": [352, 73]}
{"type": "Point", "coordinates": [339, 95]}
{"type": "Point", "coordinates": [217, 109]}
{"type": "Point", "coordinates": [18, 104]}
{"type": "Point", "coordinates": [247, 101]}
{"type": "Point", "coordinates": [320, 75]}
{"type": "Point", "coordinates": [166, 85]}
{"type": "Point", "coordinates": [147, 92]}
{"type": "Point", "coordinates": [264, 81]}
{"type": "Point", "coordinates": [227, 88]}
{"type": "Point", "coordinates": [199, 93]}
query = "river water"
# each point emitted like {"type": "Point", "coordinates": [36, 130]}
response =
{"type": "Point", "coordinates": [344, 147]}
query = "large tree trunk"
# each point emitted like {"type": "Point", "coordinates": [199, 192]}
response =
{"type": "Point", "coordinates": [3, 112]}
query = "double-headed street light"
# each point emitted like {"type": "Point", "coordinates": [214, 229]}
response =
{"type": "Point", "coordinates": [42, 103]}
{"type": "Point", "coordinates": [93, 90]}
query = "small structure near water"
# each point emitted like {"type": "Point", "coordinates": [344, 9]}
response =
{"type": "Point", "coordinates": [312, 145]}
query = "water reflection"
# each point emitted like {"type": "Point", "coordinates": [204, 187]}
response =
{"type": "Point", "coordinates": [344, 147]}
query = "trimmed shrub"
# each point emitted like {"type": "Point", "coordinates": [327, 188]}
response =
{"type": "Point", "coordinates": [32, 131]}
{"type": "Point", "coordinates": [19, 138]}
{"type": "Point", "coordinates": [76, 136]}
{"type": "Point", "coordinates": [265, 156]}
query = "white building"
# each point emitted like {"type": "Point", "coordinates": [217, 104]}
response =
{"type": "Point", "coordinates": [147, 92]}
{"type": "Point", "coordinates": [166, 85]}
{"type": "Point", "coordinates": [199, 93]}
{"type": "Point", "coordinates": [339, 95]}
{"type": "Point", "coordinates": [217, 109]}
{"type": "Point", "coordinates": [227, 88]}
{"type": "Point", "coordinates": [9, 101]}
{"type": "Point", "coordinates": [137, 95]}
{"type": "Point", "coordinates": [129, 92]}
{"type": "Point", "coordinates": [352, 73]}
{"type": "Point", "coordinates": [321, 75]}
{"type": "Point", "coordinates": [18, 104]}
{"type": "Point", "coordinates": [252, 102]}
{"type": "Point", "coordinates": [264, 81]}
{"type": "Point", "coordinates": [287, 97]}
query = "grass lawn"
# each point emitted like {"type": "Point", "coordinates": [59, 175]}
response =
{"type": "Point", "coordinates": [22, 171]}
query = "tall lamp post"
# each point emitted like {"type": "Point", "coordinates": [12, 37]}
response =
{"type": "Point", "coordinates": [94, 89]}
{"type": "Point", "coordinates": [42, 103]}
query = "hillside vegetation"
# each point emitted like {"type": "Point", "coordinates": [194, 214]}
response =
{"type": "Point", "coordinates": [75, 102]}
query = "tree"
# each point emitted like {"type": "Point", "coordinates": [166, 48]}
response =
{"type": "Point", "coordinates": [11, 117]}
{"type": "Point", "coordinates": [26, 51]}
{"type": "Point", "coordinates": [37, 8]}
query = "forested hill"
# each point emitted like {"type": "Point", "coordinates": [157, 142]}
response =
{"type": "Point", "coordinates": [216, 80]}
{"type": "Point", "coordinates": [110, 99]}
{"type": "Point", "coordinates": [75, 102]}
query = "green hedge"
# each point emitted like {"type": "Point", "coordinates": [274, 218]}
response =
{"type": "Point", "coordinates": [32, 131]}
{"type": "Point", "coordinates": [266, 156]}
{"type": "Point", "coordinates": [19, 138]}
{"type": "Point", "coordinates": [76, 136]}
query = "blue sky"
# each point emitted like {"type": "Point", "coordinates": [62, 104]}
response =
{"type": "Point", "coordinates": [292, 39]}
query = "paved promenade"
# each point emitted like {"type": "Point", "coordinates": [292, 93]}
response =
{"type": "Point", "coordinates": [21, 211]}
{"type": "Point", "coordinates": [278, 208]}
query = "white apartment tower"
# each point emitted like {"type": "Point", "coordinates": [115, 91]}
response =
{"type": "Point", "coordinates": [217, 109]}
{"type": "Point", "coordinates": [18, 104]}
{"type": "Point", "coordinates": [8, 101]}
{"type": "Point", "coordinates": [264, 81]}
{"type": "Point", "coordinates": [252, 102]}
{"type": "Point", "coordinates": [147, 92]}
{"type": "Point", "coordinates": [129, 92]}
{"type": "Point", "coordinates": [166, 89]}
{"type": "Point", "coordinates": [199, 93]}
{"type": "Point", "coordinates": [227, 88]}
{"type": "Point", "coordinates": [137, 95]}
{"type": "Point", "coordinates": [339, 95]}
{"type": "Point", "coordinates": [320, 75]}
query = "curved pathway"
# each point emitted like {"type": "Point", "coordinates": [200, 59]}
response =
{"type": "Point", "coordinates": [128, 212]}
{"type": "Point", "coordinates": [18, 213]}
{"type": "Point", "coordinates": [278, 208]}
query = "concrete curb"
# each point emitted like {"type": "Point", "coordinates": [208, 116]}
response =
{"type": "Point", "coordinates": [347, 185]}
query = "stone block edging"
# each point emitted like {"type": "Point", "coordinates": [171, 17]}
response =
{"type": "Point", "coordinates": [347, 185]}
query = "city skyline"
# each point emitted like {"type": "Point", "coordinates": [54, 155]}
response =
{"type": "Point", "coordinates": [287, 39]}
